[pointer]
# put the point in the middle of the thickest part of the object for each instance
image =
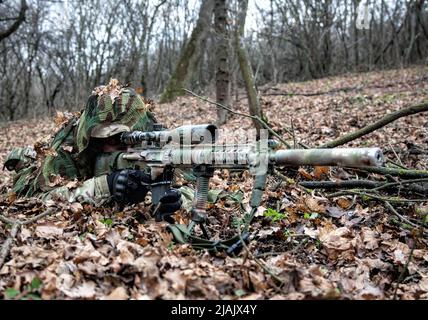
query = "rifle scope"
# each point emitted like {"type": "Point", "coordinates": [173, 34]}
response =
{"type": "Point", "coordinates": [191, 134]}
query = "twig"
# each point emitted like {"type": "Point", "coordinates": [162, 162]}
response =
{"type": "Point", "coordinates": [16, 225]}
{"type": "Point", "coordinates": [284, 178]}
{"type": "Point", "coordinates": [420, 234]}
{"type": "Point", "coordinates": [396, 164]}
{"type": "Point", "coordinates": [8, 243]}
{"type": "Point", "coordinates": [395, 212]}
{"type": "Point", "coordinates": [43, 214]}
{"type": "Point", "coordinates": [243, 115]}
{"type": "Point", "coordinates": [251, 255]}
{"type": "Point", "coordinates": [373, 196]}
{"type": "Point", "coordinates": [366, 184]}
{"type": "Point", "coordinates": [31, 220]}
{"type": "Point", "coordinates": [395, 153]}
{"type": "Point", "coordinates": [293, 135]}
{"type": "Point", "coordinates": [400, 278]}
{"type": "Point", "coordinates": [6, 220]}
{"type": "Point", "coordinates": [412, 174]}
{"type": "Point", "coordinates": [400, 183]}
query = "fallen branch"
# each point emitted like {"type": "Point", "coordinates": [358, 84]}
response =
{"type": "Point", "coordinates": [347, 184]}
{"type": "Point", "coordinates": [16, 225]}
{"type": "Point", "coordinates": [419, 235]}
{"type": "Point", "coordinates": [313, 94]}
{"type": "Point", "coordinates": [343, 89]}
{"type": "Point", "coordinates": [365, 184]}
{"type": "Point", "coordinates": [8, 243]}
{"type": "Point", "coordinates": [378, 124]}
{"type": "Point", "coordinates": [401, 217]}
{"type": "Point", "coordinates": [401, 277]}
{"type": "Point", "coordinates": [402, 173]}
{"type": "Point", "coordinates": [370, 196]}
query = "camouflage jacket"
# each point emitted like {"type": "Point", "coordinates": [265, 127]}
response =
{"type": "Point", "coordinates": [66, 168]}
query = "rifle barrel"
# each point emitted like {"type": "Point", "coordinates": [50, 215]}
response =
{"type": "Point", "coordinates": [345, 157]}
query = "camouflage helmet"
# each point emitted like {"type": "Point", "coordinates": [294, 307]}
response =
{"type": "Point", "coordinates": [110, 110]}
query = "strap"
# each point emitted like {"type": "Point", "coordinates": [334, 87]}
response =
{"type": "Point", "coordinates": [182, 235]}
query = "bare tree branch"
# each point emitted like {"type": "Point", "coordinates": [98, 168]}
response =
{"type": "Point", "coordinates": [17, 23]}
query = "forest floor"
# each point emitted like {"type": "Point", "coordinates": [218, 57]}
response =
{"type": "Point", "coordinates": [305, 244]}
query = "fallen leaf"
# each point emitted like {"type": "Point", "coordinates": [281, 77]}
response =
{"type": "Point", "coordinates": [399, 257]}
{"type": "Point", "coordinates": [369, 238]}
{"type": "Point", "coordinates": [344, 203]}
{"type": "Point", "coordinates": [319, 172]}
{"type": "Point", "coordinates": [305, 174]}
{"type": "Point", "coordinates": [335, 212]}
{"type": "Point", "coordinates": [315, 205]}
{"type": "Point", "coordinates": [48, 231]}
{"type": "Point", "coordinates": [76, 207]}
{"type": "Point", "coordinates": [85, 290]}
{"type": "Point", "coordinates": [423, 284]}
{"type": "Point", "coordinates": [118, 294]}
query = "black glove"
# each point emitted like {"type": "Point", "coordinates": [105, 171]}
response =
{"type": "Point", "coordinates": [168, 204]}
{"type": "Point", "coordinates": [127, 186]}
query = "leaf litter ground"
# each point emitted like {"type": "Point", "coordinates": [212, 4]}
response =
{"type": "Point", "coordinates": [304, 245]}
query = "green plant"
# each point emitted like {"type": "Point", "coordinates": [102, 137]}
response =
{"type": "Point", "coordinates": [108, 222]}
{"type": "Point", "coordinates": [31, 291]}
{"type": "Point", "coordinates": [310, 216]}
{"type": "Point", "coordinates": [274, 215]}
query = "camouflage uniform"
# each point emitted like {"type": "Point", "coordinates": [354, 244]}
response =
{"type": "Point", "coordinates": [69, 157]}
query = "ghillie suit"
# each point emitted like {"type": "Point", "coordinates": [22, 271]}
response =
{"type": "Point", "coordinates": [65, 167]}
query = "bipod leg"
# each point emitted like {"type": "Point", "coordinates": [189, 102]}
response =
{"type": "Point", "coordinates": [190, 228]}
{"type": "Point", "coordinates": [205, 231]}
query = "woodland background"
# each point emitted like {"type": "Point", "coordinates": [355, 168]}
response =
{"type": "Point", "coordinates": [304, 67]}
{"type": "Point", "coordinates": [52, 53]}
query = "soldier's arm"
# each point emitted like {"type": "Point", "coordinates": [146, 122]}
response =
{"type": "Point", "coordinates": [94, 190]}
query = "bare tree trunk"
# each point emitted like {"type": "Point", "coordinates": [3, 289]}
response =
{"type": "Point", "coordinates": [222, 63]}
{"type": "Point", "coordinates": [184, 67]}
{"type": "Point", "coordinates": [356, 40]}
{"type": "Point", "coordinates": [245, 66]}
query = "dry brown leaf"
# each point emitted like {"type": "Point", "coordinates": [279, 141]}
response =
{"type": "Point", "coordinates": [344, 203]}
{"type": "Point", "coordinates": [11, 197]}
{"type": "Point", "coordinates": [177, 279]}
{"type": "Point", "coordinates": [320, 172]}
{"type": "Point", "coordinates": [258, 280]}
{"type": "Point", "coordinates": [305, 174]}
{"type": "Point", "coordinates": [76, 207]}
{"type": "Point", "coordinates": [50, 152]}
{"type": "Point", "coordinates": [118, 294]}
{"type": "Point", "coordinates": [315, 205]}
{"type": "Point", "coordinates": [336, 242]}
{"type": "Point", "coordinates": [423, 284]}
{"type": "Point", "coordinates": [72, 184]}
{"type": "Point", "coordinates": [49, 231]}
{"type": "Point", "coordinates": [55, 180]}
{"type": "Point", "coordinates": [60, 118]}
{"type": "Point", "coordinates": [371, 293]}
{"type": "Point", "coordinates": [369, 238]}
{"type": "Point", "coordinates": [85, 290]}
{"type": "Point", "coordinates": [399, 257]}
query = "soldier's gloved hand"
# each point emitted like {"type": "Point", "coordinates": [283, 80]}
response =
{"type": "Point", "coordinates": [168, 204]}
{"type": "Point", "coordinates": [127, 186]}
